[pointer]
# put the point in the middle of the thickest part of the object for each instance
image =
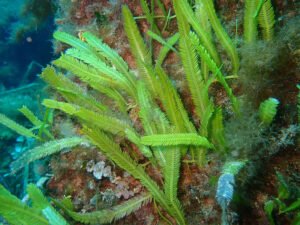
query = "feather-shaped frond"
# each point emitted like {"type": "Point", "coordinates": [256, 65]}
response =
{"type": "Point", "coordinates": [222, 35]}
{"type": "Point", "coordinates": [16, 212]}
{"type": "Point", "coordinates": [115, 95]}
{"type": "Point", "coordinates": [113, 151]}
{"type": "Point", "coordinates": [162, 126]}
{"type": "Point", "coordinates": [107, 216]}
{"type": "Point", "coordinates": [135, 39]}
{"type": "Point", "coordinates": [103, 121]}
{"type": "Point", "coordinates": [184, 115]}
{"type": "Point", "coordinates": [175, 140]}
{"type": "Point", "coordinates": [30, 116]}
{"type": "Point", "coordinates": [172, 103]}
{"type": "Point", "coordinates": [96, 63]}
{"type": "Point", "coordinates": [206, 117]}
{"type": "Point", "coordinates": [183, 7]}
{"type": "Point", "coordinates": [166, 95]}
{"type": "Point", "coordinates": [86, 73]}
{"type": "Point", "coordinates": [182, 22]}
{"type": "Point", "coordinates": [44, 150]}
{"type": "Point", "coordinates": [105, 85]}
{"type": "Point", "coordinates": [250, 20]}
{"type": "Point", "coordinates": [72, 41]}
{"type": "Point", "coordinates": [146, 109]}
{"type": "Point", "coordinates": [216, 71]}
{"type": "Point", "coordinates": [70, 90]}
{"type": "Point", "coordinates": [193, 75]}
{"type": "Point", "coordinates": [81, 99]}
{"type": "Point", "coordinates": [161, 121]}
{"type": "Point", "coordinates": [205, 120]}
{"type": "Point", "coordinates": [196, 83]}
{"type": "Point", "coordinates": [111, 55]}
{"type": "Point", "coordinates": [266, 20]}
{"type": "Point", "coordinates": [4, 120]}
{"type": "Point", "coordinates": [217, 130]}
{"type": "Point", "coordinates": [139, 50]}
{"type": "Point", "coordinates": [171, 176]}
{"type": "Point", "coordinates": [268, 110]}
{"type": "Point", "coordinates": [203, 19]}
{"type": "Point", "coordinates": [152, 118]}
{"type": "Point", "coordinates": [172, 157]}
{"type": "Point", "coordinates": [40, 203]}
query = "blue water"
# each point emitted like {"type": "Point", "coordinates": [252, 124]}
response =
{"type": "Point", "coordinates": [16, 55]}
{"type": "Point", "coordinates": [21, 54]}
{"type": "Point", "coordinates": [21, 61]}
